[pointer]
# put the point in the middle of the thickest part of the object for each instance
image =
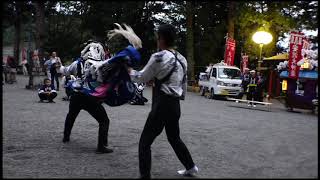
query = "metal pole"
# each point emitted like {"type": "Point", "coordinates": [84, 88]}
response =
{"type": "Point", "coordinates": [260, 60]}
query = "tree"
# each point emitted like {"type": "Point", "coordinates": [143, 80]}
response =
{"type": "Point", "coordinates": [231, 10]}
{"type": "Point", "coordinates": [40, 26]}
{"type": "Point", "coordinates": [277, 18]}
{"type": "Point", "coordinates": [17, 29]}
{"type": "Point", "coordinates": [190, 38]}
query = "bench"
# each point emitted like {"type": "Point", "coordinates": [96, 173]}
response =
{"type": "Point", "coordinates": [248, 101]}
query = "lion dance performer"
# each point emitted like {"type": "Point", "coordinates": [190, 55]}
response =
{"type": "Point", "coordinates": [101, 80]}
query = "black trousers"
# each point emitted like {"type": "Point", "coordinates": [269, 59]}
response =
{"type": "Point", "coordinates": [252, 93]}
{"type": "Point", "coordinates": [79, 101]}
{"type": "Point", "coordinates": [55, 76]}
{"type": "Point", "coordinates": [165, 113]}
{"type": "Point", "coordinates": [260, 93]}
{"type": "Point", "coordinates": [69, 91]}
{"type": "Point", "coordinates": [45, 96]}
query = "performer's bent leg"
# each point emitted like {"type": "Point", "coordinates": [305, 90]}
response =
{"type": "Point", "coordinates": [74, 109]}
{"type": "Point", "coordinates": [173, 135]}
{"type": "Point", "coordinates": [151, 130]}
{"type": "Point", "coordinates": [99, 113]}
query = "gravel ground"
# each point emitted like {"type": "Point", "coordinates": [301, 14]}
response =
{"type": "Point", "coordinates": [225, 140]}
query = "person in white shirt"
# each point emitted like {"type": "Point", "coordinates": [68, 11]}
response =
{"type": "Point", "coordinates": [54, 69]}
{"type": "Point", "coordinates": [168, 70]}
{"type": "Point", "coordinates": [24, 67]}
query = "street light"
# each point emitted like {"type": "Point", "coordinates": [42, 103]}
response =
{"type": "Point", "coordinates": [261, 38]}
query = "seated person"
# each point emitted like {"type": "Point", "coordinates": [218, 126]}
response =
{"type": "Point", "coordinates": [138, 98]}
{"type": "Point", "coordinates": [47, 91]}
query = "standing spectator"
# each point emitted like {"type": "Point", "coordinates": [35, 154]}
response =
{"type": "Point", "coordinates": [5, 71]}
{"type": "Point", "coordinates": [12, 69]}
{"type": "Point", "coordinates": [55, 69]}
{"type": "Point", "coordinates": [36, 61]}
{"type": "Point", "coordinates": [168, 69]}
{"type": "Point", "coordinates": [47, 64]}
{"type": "Point", "coordinates": [252, 88]}
{"type": "Point", "coordinates": [24, 66]}
{"type": "Point", "coordinates": [260, 86]}
{"type": "Point", "coordinates": [208, 70]}
{"type": "Point", "coordinates": [44, 60]}
{"type": "Point", "coordinates": [47, 91]}
{"type": "Point", "coordinates": [245, 80]}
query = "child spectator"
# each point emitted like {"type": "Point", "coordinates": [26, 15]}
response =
{"type": "Point", "coordinates": [47, 91]}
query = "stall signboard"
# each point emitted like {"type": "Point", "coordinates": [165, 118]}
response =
{"type": "Point", "coordinates": [296, 43]}
{"type": "Point", "coordinates": [230, 51]}
{"type": "Point", "coordinates": [284, 85]}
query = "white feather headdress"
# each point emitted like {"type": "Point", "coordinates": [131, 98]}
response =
{"type": "Point", "coordinates": [128, 33]}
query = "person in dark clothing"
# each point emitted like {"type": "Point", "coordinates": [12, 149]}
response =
{"type": "Point", "coordinates": [260, 87]}
{"type": "Point", "coordinates": [252, 88]}
{"type": "Point", "coordinates": [5, 72]}
{"type": "Point", "coordinates": [168, 69]}
{"type": "Point", "coordinates": [79, 99]}
{"type": "Point", "coordinates": [47, 91]}
{"type": "Point", "coordinates": [245, 80]}
{"type": "Point", "coordinates": [54, 69]}
{"type": "Point", "coordinates": [12, 67]}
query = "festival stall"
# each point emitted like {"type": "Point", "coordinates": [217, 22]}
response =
{"type": "Point", "coordinates": [273, 78]}
{"type": "Point", "coordinates": [301, 92]}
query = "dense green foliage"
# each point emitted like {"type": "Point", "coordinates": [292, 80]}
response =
{"type": "Point", "coordinates": [68, 24]}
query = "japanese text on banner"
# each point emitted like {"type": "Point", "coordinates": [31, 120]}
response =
{"type": "Point", "coordinates": [230, 51]}
{"type": "Point", "coordinates": [296, 43]}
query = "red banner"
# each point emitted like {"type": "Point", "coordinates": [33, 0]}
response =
{"type": "Point", "coordinates": [230, 51]}
{"type": "Point", "coordinates": [244, 62]}
{"type": "Point", "coordinates": [296, 43]}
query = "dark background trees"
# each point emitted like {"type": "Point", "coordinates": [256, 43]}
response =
{"type": "Point", "coordinates": [63, 26]}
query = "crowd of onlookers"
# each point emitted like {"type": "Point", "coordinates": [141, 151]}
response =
{"type": "Point", "coordinates": [253, 84]}
{"type": "Point", "coordinates": [50, 65]}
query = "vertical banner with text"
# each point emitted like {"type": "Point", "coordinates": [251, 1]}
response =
{"type": "Point", "coordinates": [244, 62]}
{"type": "Point", "coordinates": [296, 43]}
{"type": "Point", "coordinates": [230, 51]}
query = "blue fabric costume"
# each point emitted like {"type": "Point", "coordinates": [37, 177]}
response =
{"type": "Point", "coordinates": [89, 85]}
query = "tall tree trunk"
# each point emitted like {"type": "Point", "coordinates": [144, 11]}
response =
{"type": "Point", "coordinates": [231, 11]}
{"type": "Point", "coordinates": [30, 62]}
{"type": "Point", "coordinates": [190, 38]}
{"type": "Point", "coordinates": [17, 29]}
{"type": "Point", "coordinates": [40, 26]}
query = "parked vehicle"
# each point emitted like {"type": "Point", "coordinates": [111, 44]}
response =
{"type": "Point", "coordinates": [222, 80]}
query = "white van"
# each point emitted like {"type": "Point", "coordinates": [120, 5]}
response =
{"type": "Point", "coordinates": [222, 80]}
